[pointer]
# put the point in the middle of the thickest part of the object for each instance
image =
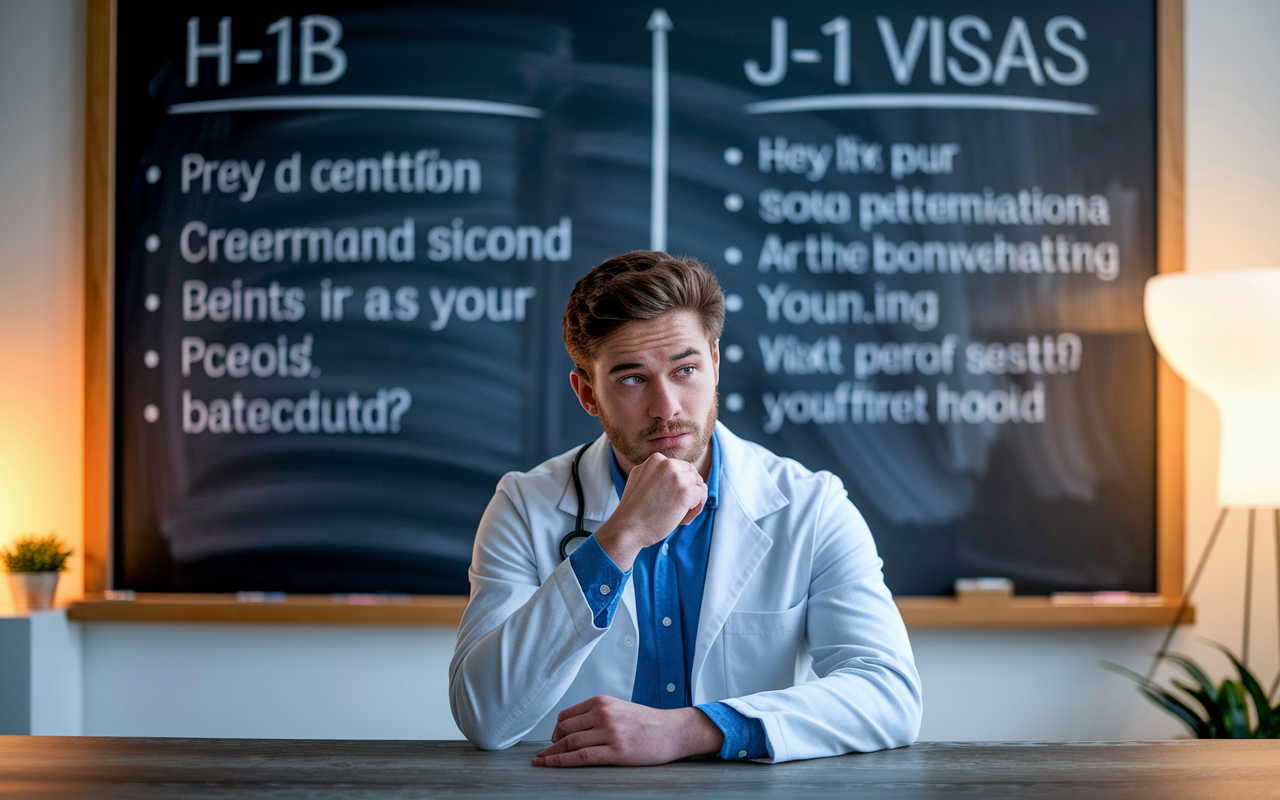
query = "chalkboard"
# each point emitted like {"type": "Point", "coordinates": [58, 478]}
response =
{"type": "Point", "coordinates": [345, 233]}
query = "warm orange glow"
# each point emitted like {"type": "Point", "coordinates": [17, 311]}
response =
{"type": "Point", "coordinates": [40, 448]}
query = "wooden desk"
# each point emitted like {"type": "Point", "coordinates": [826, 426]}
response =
{"type": "Point", "coordinates": [66, 767]}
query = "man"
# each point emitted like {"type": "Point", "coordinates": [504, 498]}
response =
{"type": "Point", "coordinates": [674, 629]}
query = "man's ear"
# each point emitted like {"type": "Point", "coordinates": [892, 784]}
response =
{"type": "Point", "coordinates": [582, 388]}
{"type": "Point", "coordinates": [715, 360]}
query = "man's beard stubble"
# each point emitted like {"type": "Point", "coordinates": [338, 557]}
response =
{"type": "Point", "coordinates": [637, 451]}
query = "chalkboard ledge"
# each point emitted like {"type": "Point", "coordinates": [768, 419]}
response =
{"type": "Point", "coordinates": [1041, 612]}
{"type": "Point", "coordinates": [295, 608]}
{"type": "Point", "coordinates": [919, 612]}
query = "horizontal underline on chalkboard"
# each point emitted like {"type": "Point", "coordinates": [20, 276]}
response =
{"type": "Point", "coordinates": [356, 102]}
{"type": "Point", "coordinates": [1000, 102]}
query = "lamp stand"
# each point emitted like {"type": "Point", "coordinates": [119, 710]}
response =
{"type": "Point", "coordinates": [1248, 591]}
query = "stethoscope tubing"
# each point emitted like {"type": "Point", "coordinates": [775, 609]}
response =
{"type": "Point", "coordinates": [578, 532]}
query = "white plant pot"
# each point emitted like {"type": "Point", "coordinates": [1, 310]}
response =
{"type": "Point", "coordinates": [33, 591]}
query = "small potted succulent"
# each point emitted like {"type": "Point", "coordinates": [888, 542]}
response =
{"type": "Point", "coordinates": [33, 563]}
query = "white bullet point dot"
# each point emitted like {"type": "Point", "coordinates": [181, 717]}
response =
{"type": "Point", "coordinates": [733, 255]}
{"type": "Point", "coordinates": [734, 402]}
{"type": "Point", "coordinates": [153, 174]}
{"type": "Point", "coordinates": [152, 302]}
{"type": "Point", "coordinates": [733, 302]}
{"type": "Point", "coordinates": [733, 201]}
{"type": "Point", "coordinates": [151, 358]}
{"type": "Point", "coordinates": [732, 156]}
{"type": "Point", "coordinates": [150, 412]}
{"type": "Point", "coordinates": [152, 243]}
{"type": "Point", "coordinates": [734, 353]}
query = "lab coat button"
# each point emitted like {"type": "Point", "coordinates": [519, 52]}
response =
{"type": "Point", "coordinates": [666, 622]}
{"type": "Point", "coordinates": [671, 687]}
{"type": "Point", "coordinates": [742, 754]}
{"type": "Point", "coordinates": [629, 641]}
{"type": "Point", "coordinates": [604, 588]}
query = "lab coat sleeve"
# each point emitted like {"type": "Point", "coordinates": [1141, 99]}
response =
{"type": "Point", "coordinates": [867, 696]}
{"type": "Point", "coordinates": [521, 641]}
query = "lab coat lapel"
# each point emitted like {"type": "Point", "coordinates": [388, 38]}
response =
{"type": "Point", "coordinates": [738, 544]}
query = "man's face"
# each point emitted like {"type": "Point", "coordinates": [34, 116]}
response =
{"type": "Point", "coordinates": [653, 385]}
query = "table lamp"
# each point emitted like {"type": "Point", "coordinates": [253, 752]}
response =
{"type": "Point", "coordinates": [1221, 332]}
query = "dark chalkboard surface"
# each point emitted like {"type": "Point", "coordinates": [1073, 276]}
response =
{"type": "Point", "coordinates": [345, 233]}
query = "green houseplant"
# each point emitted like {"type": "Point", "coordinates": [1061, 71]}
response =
{"type": "Point", "coordinates": [1211, 711]}
{"type": "Point", "coordinates": [33, 563]}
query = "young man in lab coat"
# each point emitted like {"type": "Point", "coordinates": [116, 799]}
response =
{"type": "Point", "coordinates": [684, 625]}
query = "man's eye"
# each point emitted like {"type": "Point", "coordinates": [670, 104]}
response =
{"type": "Point", "coordinates": [630, 380]}
{"type": "Point", "coordinates": [685, 370]}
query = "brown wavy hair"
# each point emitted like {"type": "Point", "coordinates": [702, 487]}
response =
{"type": "Point", "coordinates": [635, 287]}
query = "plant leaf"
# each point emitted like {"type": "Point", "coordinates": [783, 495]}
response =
{"type": "Point", "coordinates": [1198, 726]}
{"type": "Point", "coordinates": [1259, 697]}
{"type": "Point", "coordinates": [1197, 674]}
{"type": "Point", "coordinates": [1235, 710]}
{"type": "Point", "coordinates": [1212, 713]}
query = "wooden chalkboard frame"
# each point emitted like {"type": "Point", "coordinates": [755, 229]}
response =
{"type": "Point", "coordinates": [918, 611]}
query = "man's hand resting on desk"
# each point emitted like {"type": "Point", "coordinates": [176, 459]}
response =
{"type": "Point", "coordinates": [606, 730]}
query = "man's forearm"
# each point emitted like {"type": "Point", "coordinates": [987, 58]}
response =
{"type": "Point", "coordinates": [699, 736]}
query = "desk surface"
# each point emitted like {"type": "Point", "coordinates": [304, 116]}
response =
{"type": "Point", "coordinates": [66, 767]}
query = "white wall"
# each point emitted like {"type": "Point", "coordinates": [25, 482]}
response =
{"type": "Point", "coordinates": [287, 681]}
{"type": "Point", "coordinates": [41, 273]}
{"type": "Point", "coordinates": [216, 680]}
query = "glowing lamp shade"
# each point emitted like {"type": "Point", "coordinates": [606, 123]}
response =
{"type": "Point", "coordinates": [1221, 332]}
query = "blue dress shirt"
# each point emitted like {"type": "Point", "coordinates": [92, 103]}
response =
{"type": "Point", "coordinates": [669, 578]}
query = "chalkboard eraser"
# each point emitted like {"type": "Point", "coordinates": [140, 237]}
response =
{"type": "Point", "coordinates": [983, 590]}
{"type": "Point", "coordinates": [378, 599]}
{"type": "Point", "coordinates": [261, 597]}
{"type": "Point", "coordinates": [1104, 599]}
{"type": "Point", "coordinates": [120, 595]}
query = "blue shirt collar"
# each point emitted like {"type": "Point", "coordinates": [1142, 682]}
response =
{"type": "Point", "coordinates": [713, 479]}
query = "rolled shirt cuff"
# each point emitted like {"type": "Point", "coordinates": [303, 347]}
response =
{"type": "Point", "coordinates": [601, 580]}
{"type": "Point", "coordinates": [743, 736]}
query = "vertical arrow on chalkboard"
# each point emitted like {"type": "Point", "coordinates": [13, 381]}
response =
{"type": "Point", "coordinates": [659, 23]}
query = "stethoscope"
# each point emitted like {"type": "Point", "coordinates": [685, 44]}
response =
{"type": "Point", "coordinates": [577, 536]}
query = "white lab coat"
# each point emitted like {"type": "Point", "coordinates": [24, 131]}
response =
{"type": "Point", "coordinates": [792, 573]}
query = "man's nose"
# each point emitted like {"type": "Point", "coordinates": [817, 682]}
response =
{"type": "Point", "coordinates": [663, 402]}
